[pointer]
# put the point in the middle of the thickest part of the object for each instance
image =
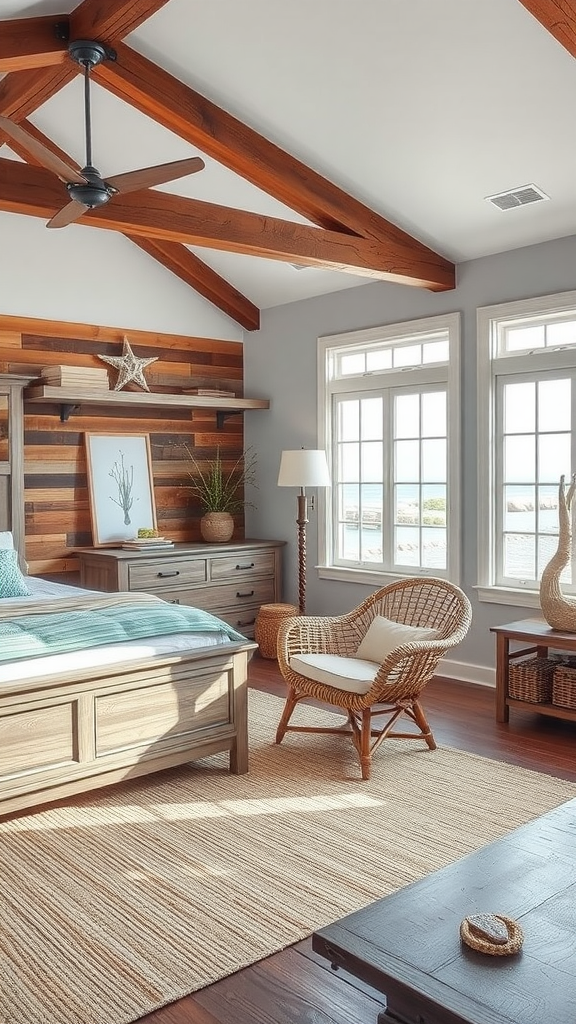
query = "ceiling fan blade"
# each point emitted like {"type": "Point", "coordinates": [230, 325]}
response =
{"type": "Point", "coordinates": [39, 152]}
{"type": "Point", "coordinates": [67, 215]}
{"type": "Point", "coordinates": [134, 181]}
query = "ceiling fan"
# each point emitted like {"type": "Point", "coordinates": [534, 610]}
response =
{"type": "Point", "coordinates": [86, 188]}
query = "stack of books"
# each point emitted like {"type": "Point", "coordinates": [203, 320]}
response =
{"type": "Point", "coordinates": [210, 392]}
{"type": "Point", "coordinates": [147, 543]}
{"type": "Point", "coordinates": [92, 377]}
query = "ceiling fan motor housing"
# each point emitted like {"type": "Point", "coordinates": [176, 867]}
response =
{"type": "Point", "coordinates": [90, 53]}
{"type": "Point", "coordinates": [95, 191]}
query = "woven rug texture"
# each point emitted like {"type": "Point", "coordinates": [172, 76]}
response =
{"type": "Point", "coordinates": [133, 897]}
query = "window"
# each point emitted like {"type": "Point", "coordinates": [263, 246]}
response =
{"type": "Point", "coordinates": [527, 437]}
{"type": "Point", "coordinates": [389, 420]}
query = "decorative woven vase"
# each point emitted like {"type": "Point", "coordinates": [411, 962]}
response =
{"type": "Point", "coordinates": [217, 527]}
{"type": "Point", "coordinates": [558, 610]}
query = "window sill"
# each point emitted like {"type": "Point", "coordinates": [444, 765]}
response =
{"type": "Point", "coordinates": [508, 596]}
{"type": "Point", "coordinates": [369, 577]}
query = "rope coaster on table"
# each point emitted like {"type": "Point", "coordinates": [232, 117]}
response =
{"type": "Point", "coordinates": [485, 933]}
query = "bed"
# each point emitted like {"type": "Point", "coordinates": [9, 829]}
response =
{"type": "Point", "coordinates": [78, 712]}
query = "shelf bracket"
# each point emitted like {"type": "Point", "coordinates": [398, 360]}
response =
{"type": "Point", "coordinates": [223, 415]}
{"type": "Point", "coordinates": [66, 410]}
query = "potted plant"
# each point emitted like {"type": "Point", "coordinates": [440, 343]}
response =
{"type": "Point", "coordinates": [220, 491]}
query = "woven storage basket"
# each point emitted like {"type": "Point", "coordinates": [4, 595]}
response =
{"type": "Point", "coordinates": [267, 625]}
{"type": "Point", "coordinates": [564, 686]}
{"type": "Point", "coordinates": [531, 680]}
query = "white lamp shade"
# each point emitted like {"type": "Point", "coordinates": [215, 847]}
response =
{"type": "Point", "coordinates": [304, 467]}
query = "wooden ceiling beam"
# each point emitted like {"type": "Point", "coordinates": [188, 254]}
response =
{"type": "Point", "coordinates": [171, 255]}
{"type": "Point", "coordinates": [21, 94]}
{"type": "Point", "coordinates": [31, 43]}
{"type": "Point", "coordinates": [558, 17]}
{"type": "Point", "coordinates": [194, 272]}
{"type": "Point", "coordinates": [37, 192]}
{"type": "Point", "coordinates": [156, 93]}
{"type": "Point", "coordinates": [109, 22]}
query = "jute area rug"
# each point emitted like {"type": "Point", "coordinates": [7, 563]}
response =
{"type": "Point", "coordinates": [134, 897]}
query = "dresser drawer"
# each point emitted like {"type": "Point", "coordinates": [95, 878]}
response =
{"type": "Point", "coordinates": [170, 573]}
{"type": "Point", "coordinates": [228, 597]}
{"type": "Point", "coordinates": [254, 563]}
{"type": "Point", "coordinates": [242, 619]}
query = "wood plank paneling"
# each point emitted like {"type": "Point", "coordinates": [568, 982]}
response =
{"type": "Point", "coordinates": [56, 497]}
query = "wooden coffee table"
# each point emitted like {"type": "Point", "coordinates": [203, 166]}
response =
{"type": "Point", "coordinates": [408, 946]}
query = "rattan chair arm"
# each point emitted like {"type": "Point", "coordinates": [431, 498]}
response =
{"type": "Point", "coordinates": [406, 671]}
{"type": "Point", "coordinates": [309, 634]}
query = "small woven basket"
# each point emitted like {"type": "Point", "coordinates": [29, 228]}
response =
{"type": "Point", "coordinates": [267, 625]}
{"type": "Point", "coordinates": [531, 680]}
{"type": "Point", "coordinates": [482, 945]}
{"type": "Point", "coordinates": [564, 686]}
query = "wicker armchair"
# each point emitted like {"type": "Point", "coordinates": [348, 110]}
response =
{"type": "Point", "coordinates": [364, 689]}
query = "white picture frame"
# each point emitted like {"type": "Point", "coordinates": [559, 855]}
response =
{"type": "Point", "coordinates": [119, 469]}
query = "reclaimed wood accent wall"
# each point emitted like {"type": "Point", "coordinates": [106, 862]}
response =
{"type": "Point", "coordinates": [56, 497]}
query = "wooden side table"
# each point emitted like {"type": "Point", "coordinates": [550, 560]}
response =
{"type": "Point", "coordinates": [541, 638]}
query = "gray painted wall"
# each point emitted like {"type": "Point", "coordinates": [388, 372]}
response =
{"type": "Point", "coordinates": [281, 362]}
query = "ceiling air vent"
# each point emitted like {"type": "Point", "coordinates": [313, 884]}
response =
{"type": "Point", "coordinates": [514, 197]}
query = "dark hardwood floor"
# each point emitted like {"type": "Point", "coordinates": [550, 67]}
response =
{"type": "Point", "coordinates": [296, 986]}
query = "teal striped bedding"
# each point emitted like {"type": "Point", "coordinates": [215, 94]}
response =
{"type": "Point", "coordinates": [42, 633]}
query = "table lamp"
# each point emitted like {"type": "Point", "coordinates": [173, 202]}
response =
{"type": "Point", "coordinates": [303, 468]}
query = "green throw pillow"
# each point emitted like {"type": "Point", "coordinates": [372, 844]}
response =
{"type": "Point", "coordinates": [12, 582]}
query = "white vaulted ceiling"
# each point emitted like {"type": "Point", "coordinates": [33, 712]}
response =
{"type": "Point", "coordinates": [418, 110]}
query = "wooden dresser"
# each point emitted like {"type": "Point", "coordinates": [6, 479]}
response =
{"type": "Point", "coordinates": [230, 580]}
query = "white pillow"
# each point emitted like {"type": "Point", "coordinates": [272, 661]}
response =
{"type": "Point", "coordinates": [384, 636]}
{"type": "Point", "coordinates": [6, 540]}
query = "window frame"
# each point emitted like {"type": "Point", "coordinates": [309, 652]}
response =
{"type": "Point", "coordinates": [426, 375]}
{"type": "Point", "coordinates": [493, 366]}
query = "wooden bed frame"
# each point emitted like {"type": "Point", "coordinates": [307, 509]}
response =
{"type": "Point", "coordinates": [100, 726]}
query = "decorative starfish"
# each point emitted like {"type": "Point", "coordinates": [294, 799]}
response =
{"type": "Point", "coordinates": [129, 366]}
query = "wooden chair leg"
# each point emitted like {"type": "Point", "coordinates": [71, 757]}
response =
{"type": "Point", "coordinates": [421, 722]}
{"type": "Point", "coordinates": [291, 702]}
{"type": "Point", "coordinates": [365, 756]}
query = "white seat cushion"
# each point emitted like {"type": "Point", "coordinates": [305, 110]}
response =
{"type": "Point", "coordinates": [352, 674]}
{"type": "Point", "coordinates": [384, 635]}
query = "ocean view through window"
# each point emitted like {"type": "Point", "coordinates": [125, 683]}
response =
{"type": "Point", "coordinates": [527, 436]}
{"type": "Point", "coordinates": [389, 421]}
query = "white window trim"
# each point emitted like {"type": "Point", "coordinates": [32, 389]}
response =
{"type": "Point", "coordinates": [487, 318]}
{"type": "Point", "coordinates": [451, 323]}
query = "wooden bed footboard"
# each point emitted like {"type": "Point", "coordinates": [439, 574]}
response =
{"type": "Point", "coordinates": [97, 727]}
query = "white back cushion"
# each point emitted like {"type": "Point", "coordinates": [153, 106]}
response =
{"type": "Point", "coordinates": [384, 636]}
{"type": "Point", "coordinates": [6, 540]}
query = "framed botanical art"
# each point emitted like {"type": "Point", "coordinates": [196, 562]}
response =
{"type": "Point", "coordinates": [121, 487]}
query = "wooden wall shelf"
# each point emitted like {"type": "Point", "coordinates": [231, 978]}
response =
{"type": "Point", "coordinates": [70, 399]}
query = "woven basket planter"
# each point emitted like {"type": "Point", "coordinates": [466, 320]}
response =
{"type": "Point", "coordinates": [564, 686]}
{"type": "Point", "coordinates": [532, 680]}
{"type": "Point", "coordinates": [267, 625]}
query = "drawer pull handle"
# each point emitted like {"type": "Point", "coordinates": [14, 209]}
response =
{"type": "Point", "coordinates": [248, 622]}
{"type": "Point", "coordinates": [164, 575]}
{"type": "Point", "coordinates": [242, 567]}
{"type": "Point", "coordinates": [249, 594]}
